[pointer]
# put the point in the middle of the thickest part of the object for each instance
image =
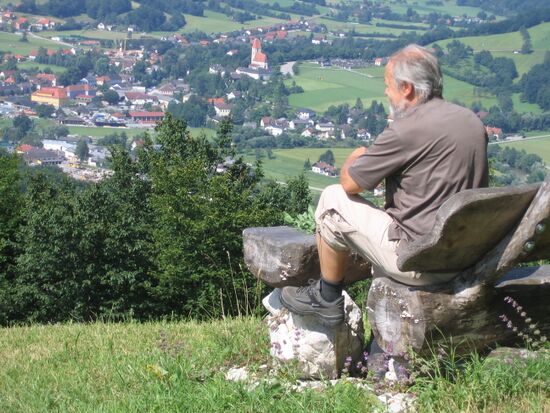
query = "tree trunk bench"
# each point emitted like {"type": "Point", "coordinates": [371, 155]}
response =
{"type": "Point", "coordinates": [481, 234]}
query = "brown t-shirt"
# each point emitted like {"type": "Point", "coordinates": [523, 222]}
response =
{"type": "Point", "coordinates": [434, 151]}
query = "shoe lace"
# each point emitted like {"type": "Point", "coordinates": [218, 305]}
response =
{"type": "Point", "coordinates": [306, 288]}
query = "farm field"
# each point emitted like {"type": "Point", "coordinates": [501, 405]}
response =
{"type": "Point", "coordinates": [362, 28]}
{"type": "Point", "coordinates": [214, 22]}
{"type": "Point", "coordinates": [289, 163]}
{"type": "Point", "coordinates": [421, 7]}
{"type": "Point", "coordinates": [9, 42]}
{"type": "Point", "coordinates": [503, 45]}
{"type": "Point", "coordinates": [324, 87]}
{"type": "Point", "coordinates": [99, 132]}
{"type": "Point", "coordinates": [539, 146]}
{"type": "Point", "coordinates": [91, 34]}
{"type": "Point", "coordinates": [32, 65]}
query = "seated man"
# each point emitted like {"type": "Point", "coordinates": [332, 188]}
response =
{"type": "Point", "coordinates": [431, 150]}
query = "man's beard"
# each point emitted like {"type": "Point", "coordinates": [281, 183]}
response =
{"type": "Point", "coordinates": [397, 110]}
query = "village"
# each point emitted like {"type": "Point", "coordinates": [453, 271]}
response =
{"type": "Point", "coordinates": [119, 100]}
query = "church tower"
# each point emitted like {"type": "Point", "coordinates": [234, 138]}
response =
{"type": "Point", "coordinates": [258, 59]}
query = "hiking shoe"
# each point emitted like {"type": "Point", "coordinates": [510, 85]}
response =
{"type": "Point", "coordinates": [308, 301]}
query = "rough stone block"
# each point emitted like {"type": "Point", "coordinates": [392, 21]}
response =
{"type": "Point", "coordinates": [318, 351]}
{"type": "Point", "coordinates": [281, 256]}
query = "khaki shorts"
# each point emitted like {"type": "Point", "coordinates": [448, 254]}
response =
{"type": "Point", "coordinates": [350, 222]}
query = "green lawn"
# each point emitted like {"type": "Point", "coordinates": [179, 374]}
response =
{"type": "Point", "coordinates": [214, 22]}
{"type": "Point", "coordinates": [33, 65]}
{"type": "Point", "coordinates": [421, 7]}
{"type": "Point", "coordinates": [180, 367]}
{"type": "Point", "coordinates": [289, 163]}
{"type": "Point", "coordinates": [90, 34]}
{"type": "Point", "coordinates": [503, 45]}
{"type": "Point", "coordinates": [9, 42]}
{"type": "Point", "coordinates": [99, 132]}
{"type": "Point", "coordinates": [324, 87]}
{"type": "Point", "coordinates": [539, 146]}
{"type": "Point", "coordinates": [332, 86]}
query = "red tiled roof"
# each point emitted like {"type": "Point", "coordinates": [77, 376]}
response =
{"type": "Point", "coordinates": [144, 114]}
{"type": "Point", "coordinates": [260, 57]}
{"type": "Point", "coordinates": [46, 76]}
{"type": "Point", "coordinates": [256, 44]}
{"type": "Point", "coordinates": [52, 92]}
{"type": "Point", "coordinates": [24, 148]}
{"type": "Point", "coordinates": [76, 88]}
{"type": "Point", "coordinates": [215, 101]}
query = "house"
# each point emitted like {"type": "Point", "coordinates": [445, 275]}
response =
{"type": "Point", "coordinates": [51, 96]}
{"type": "Point", "coordinates": [77, 90]}
{"type": "Point", "coordinates": [146, 117]}
{"type": "Point", "coordinates": [41, 156]}
{"type": "Point", "coordinates": [139, 98]}
{"type": "Point", "coordinates": [305, 114]}
{"type": "Point", "coordinates": [101, 26]}
{"type": "Point", "coordinates": [325, 127]}
{"type": "Point", "coordinates": [379, 61]}
{"type": "Point", "coordinates": [299, 124]}
{"type": "Point", "coordinates": [235, 94]}
{"type": "Point", "coordinates": [323, 168]}
{"type": "Point", "coordinates": [48, 79]}
{"type": "Point", "coordinates": [223, 109]}
{"type": "Point", "coordinates": [495, 133]}
{"type": "Point", "coordinates": [216, 69]}
{"type": "Point", "coordinates": [22, 23]}
{"type": "Point", "coordinates": [232, 52]}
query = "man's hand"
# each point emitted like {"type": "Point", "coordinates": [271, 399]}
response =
{"type": "Point", "coordinates": [349, 185]}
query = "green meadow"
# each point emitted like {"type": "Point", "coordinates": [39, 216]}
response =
{"type": "Point", "coordinates": [32, 65]}
{"type": "Point", "coordinates": [180, 366]}
{"type": "Point", "coordinates": [289, 163]}
{"type": "Point", "coordinates": [10, 42]}
{"type": "Point", "coordinates": [504, 45]}
{"type": "Point", "coordinates": [422, 8]}
{"type": "Point", "coordinates": [328, 86]}
{"type": "Point", "coordinates": [99, 132]}
{"type": "Point", "coordinates": [214, 22]}
{"type": "Point", "coordinates": [324, 87]}
{"type": "Point", "coordinates": [539, 146]}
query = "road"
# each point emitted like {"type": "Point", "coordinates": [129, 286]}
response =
{"type": "Point", "coordinates": [520, 139]}
{"type": "Point", "coordinates": [288, 68]}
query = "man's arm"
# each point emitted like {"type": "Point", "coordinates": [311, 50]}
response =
{"type": "Point", "coordinates": [350, 186]}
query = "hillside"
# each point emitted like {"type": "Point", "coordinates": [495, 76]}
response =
{"type": "Point", "coordinates": [180, 367]}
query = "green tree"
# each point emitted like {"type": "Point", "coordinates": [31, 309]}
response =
{"type": "Point", "coordinates": [82, 150]}
{"type": "Point", "coordinates": [23, 123]}
{"type": "Point", "coordinates": [11, 204]}
{"type": "Point", "coordinates": [44, 110]}
{"type": "Point", "coordinates": [327, 157]}
{"type": "Point", "coordinates": [111, 97]}
{"type": "Point", "coordinates": [200, 218]}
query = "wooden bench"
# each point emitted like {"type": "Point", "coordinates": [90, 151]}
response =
{"type": "Point", "coordinates": [482, 234]}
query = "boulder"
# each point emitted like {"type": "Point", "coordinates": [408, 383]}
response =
{"type": "Point", "coordinates": [281, 256]}
{"type": "Point", "coordinates": [318, 351]}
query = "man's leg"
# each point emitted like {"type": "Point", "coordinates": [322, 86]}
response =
{"type": "Point", "coordinates": [333, 263]}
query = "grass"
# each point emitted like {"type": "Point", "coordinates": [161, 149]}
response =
{"type": "Point", "coordinates": [539, 146]}
{"type": "Point", "coordinates": [9, 42]}
{"type": "Point", "coordinates": [164, 367]}
{"type": "Point", "coordinates": [333, 86]}
{"type": "Point", "coordinates": [324, 87]}
{"type": "Point", "coordinates": [32, 65]}
{"type": "Point", "coordinates": [422, 8]}
{"type": "Point", "coordinates": [214, 22]}
{"type": "Point", "coordinates": [180, 366]}
{"type": "Point", "coordinates": [289, 163]}
{"type": "Point", "coordinates": [99, 132]}
{"type": "Point", "coordinates": [503, 45]}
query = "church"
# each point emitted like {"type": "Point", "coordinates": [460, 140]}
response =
{"type": "Point", "coordinates": [258, 68]}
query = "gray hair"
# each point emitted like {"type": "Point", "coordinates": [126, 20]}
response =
{"type": "Point", "coordinates": [419, 67]}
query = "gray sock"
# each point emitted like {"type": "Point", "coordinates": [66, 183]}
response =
{"type": "Point", "coordinates": [330, 291]}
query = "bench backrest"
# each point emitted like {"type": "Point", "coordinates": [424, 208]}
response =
{"type": "Point", "coordinates": [467, 226]}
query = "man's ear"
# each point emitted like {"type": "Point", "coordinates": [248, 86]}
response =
{"type": "Point", "coordinates": [408, 90]}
